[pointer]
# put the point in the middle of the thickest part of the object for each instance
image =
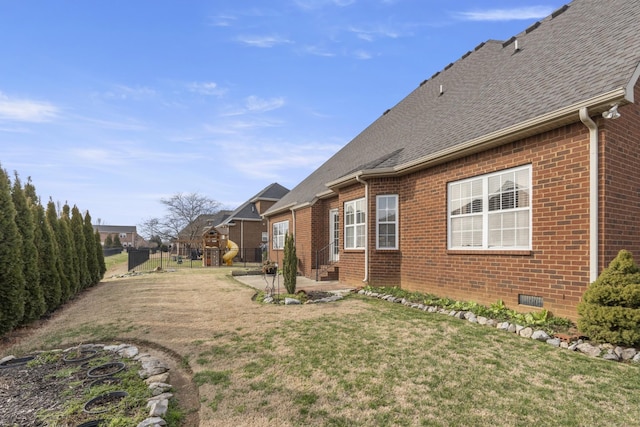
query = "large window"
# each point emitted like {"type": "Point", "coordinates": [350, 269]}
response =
{"type": "Point", "coordinates": [491, 211]}
{"type": "Point", "coordinates": [387, 222]}
{"type": "Point", "coordinates": [354, 224]}
{"type": "Point", "coordinates": [279, 231]}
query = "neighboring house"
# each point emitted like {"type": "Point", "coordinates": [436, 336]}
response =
{"type": "Point", "coordinates": [190, 238]}
{"type": "Point", "coordinates": [127, 234]}
{"type": "Point", "coordinates": [245, 225]}
{"type": "Point", "coordinates": [504, 176]}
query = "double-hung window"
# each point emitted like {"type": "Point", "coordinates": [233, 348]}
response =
{"type": "Point", "coordinates": [354, 224]}
{"type": "Point", "coordinates": [387, 221]}
{"type": "Point", "coordinates": [280, 229]}
{"type": "Point", "coordinates": [491, 211]}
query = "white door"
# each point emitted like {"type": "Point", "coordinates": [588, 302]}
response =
{"type": "Point", "coordinates": [334, 234]}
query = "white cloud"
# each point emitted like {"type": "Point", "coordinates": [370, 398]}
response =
{"type": "Point", "coordinates": [223, 20]}
{"type": "Point", "coordinates": [318, 51]}
{"type": "Point", "coordinates": [263, 41]}
{"type": "Point", "coordinates": [206, 88]}
{"type": "Point", "coordinates": [124, 92]}
{"type": "Point", "coordinates": [520, 13]}
{"type": "Point", "coordinates": [26, 110]}
{"type": "Point", "coordinates": [371, 34]}
{"type": "Point", "coordinates": [255, 104]}
{"type": "Point", "coordinates": [362, 54]}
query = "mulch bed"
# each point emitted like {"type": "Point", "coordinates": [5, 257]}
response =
{"type": "Point", "coordinates": [28, 390]}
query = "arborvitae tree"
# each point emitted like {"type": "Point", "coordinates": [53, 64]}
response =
{"type": "Point", "coordinates": [60, 238]}
{"type": "Point", "coordinates": [34, 305]}
{"type": "Point", "coordinates": [100, 255]}
{"type": "Point", "coordinates": [92, 257]}
{"type": "Point", "coordinates": [69, 254]}
{"type": "Point", "coordinates": [108, 241]}
{"type": "Point", "coordinates": [48, 259]}
{"type": "Point", "coordinates": [116, 241]}
{"type": "Point", "coordinates": [47, 251]}
{"type": "Point", "coordinates": [11, 274]}
{"type": "Point", "coordinates": [290, 264]}
{"type": "Point", "coordinates": [610, 307]}
{"type": "Point", "coordinates": [77, 230]}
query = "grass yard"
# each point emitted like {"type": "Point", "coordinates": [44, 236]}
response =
{"type": "Point", "coordinates": [357, 362]}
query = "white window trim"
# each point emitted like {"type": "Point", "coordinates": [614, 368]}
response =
{"type": "Point", "coordinates": [355, 225]}
{"type": "Point", "coordinates": [281, 226]}
{"type": "Point", "coordinates": [485, 212]}
{"type": "Point", "coordinates": [394, 223]}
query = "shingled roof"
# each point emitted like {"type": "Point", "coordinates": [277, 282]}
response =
{"type": "Point", "coordinates": [247, 210]}
{"type": "Point", "coordinates": [586, 54]}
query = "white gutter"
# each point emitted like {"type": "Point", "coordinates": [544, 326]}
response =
{"type": "Point", "coordinates": [593, 193]}
{"type": "Point", "coordinates": [366, 228]}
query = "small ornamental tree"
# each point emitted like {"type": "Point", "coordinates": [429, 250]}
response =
{"type": "Point", "coordinates": [116, 242]}
{"type": "Point", "coordinates": [290, 264]}
{"type": "Point", "coordinates": [108, 241]}
{"type": "Point", "coordinates": [101, 264]}
{"type": "Point", "coordinates": [610, 307]}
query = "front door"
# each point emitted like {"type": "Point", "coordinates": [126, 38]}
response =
{"type": "Point", "coordinates": [334, 234]}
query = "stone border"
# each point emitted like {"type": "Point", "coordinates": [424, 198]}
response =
{"type": "Point", "coordinates": [154, 372]}
{"type": "Point", "coordinates": [603, 351]}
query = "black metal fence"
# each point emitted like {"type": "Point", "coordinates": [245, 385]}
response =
{"type": "Point", "coordinates": [149, 259]}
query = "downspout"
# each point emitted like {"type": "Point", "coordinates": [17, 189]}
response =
{"type": "Point", "coordinates": [593, 193]}
{"type": "Point", "coordinates": [293, 219]}
{"type": "Point", "coordinates": [242, 255]}
{"type": "Point", "coordinates": [366, 228]}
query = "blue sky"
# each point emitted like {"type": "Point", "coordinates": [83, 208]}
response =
{"type": "Point", "coordinates": [113, 105]}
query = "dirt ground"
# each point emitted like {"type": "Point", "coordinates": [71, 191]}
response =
{"type": "Point", "coordinates": [166, 313]}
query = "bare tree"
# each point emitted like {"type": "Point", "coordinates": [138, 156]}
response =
{"type": "Point", "coordinates": [181, 223]}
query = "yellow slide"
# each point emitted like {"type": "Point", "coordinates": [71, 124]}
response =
{"type": "Point", "coordinates": [233, 251]}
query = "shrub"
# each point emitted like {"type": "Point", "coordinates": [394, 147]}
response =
{"type": "Point", "coordinates": [610, 307]}
{"type": "Point", "coordinates": [290, 264]}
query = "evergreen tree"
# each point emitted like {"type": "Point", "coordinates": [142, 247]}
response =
{"type": "Point", "coordinates": [100, 254]}
{"type": "Point", "coordinates": [69, 254]}
{"type": "Point", "coordinates": [290, 264]}
{"type": "Point", "coordinates": [11, 275]}
{"type": "Point", "coordinates": [60, 239]}
{"type": "Point", "coordinates": [34, 305]}
{"type": "Point", "coordinates": [116, 241]}
{"type": "Point", "coordinates": [47, 251]}
{"type": "Point", "coordinates": [77, 231]}
{"type": "Point", "coordinates": [92, 257]}
{"type": "Point", "coordinates": [108, 241]}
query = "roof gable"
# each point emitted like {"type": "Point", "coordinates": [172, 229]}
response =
{"type": "Point", "coordinates": [586, 52]}
{"type": "Point", "coordinates": [248, 212]}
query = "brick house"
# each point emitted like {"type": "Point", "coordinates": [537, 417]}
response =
{"type": "Point", "coordinates": [246, 227]}
{"type": "Point", "coordinates": [127, 234]}
{"type": "Point", "coordinates": [511, 174]}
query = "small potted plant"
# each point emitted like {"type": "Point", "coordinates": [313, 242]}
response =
{"type": "Point", "coordinates": [269, 267]}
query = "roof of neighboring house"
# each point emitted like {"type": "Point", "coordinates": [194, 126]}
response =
{"type": "Point", "coordinates": [248, 212]}
{"type": "Point", "coordinates": [586, 54]}
{"type": "Point", "coordinates": [115, 228]}
{"type": "Point", "coordinates": [203, 222]}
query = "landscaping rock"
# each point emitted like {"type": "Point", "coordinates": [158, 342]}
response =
{"type": "Point", "coordinates": [526, 332]}
{"type": "Point", "coordinates": [160, 378]}
{"type": "Point", "coordinates": [158, 407]}
{"type": "Point", "coordinates": [159, 388]}
{"type": "Point", "coordinates": [291, 301]}
{"type": "Point", "coordinates": [153, 422]}
{"type": "Point", "coordinates": [588, 349]}
{"type": "Point", "coordinates": [482, 320]}
{"type": "Point", "coordinates": [161, 396]}
{"type": "Point", "coordinates": [636, 358]}
{"type": "Point", "coordinates": [554, 342]}
{"type": "Point", "coordinates": [540, 335]}
{"type": "Point", "coordinates": [152, 366]}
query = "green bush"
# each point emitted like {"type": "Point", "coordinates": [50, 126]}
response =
{"type": "Point", "coordinates": [290, 264]}
{"type": "Point", "coordinates": [610, 307]}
